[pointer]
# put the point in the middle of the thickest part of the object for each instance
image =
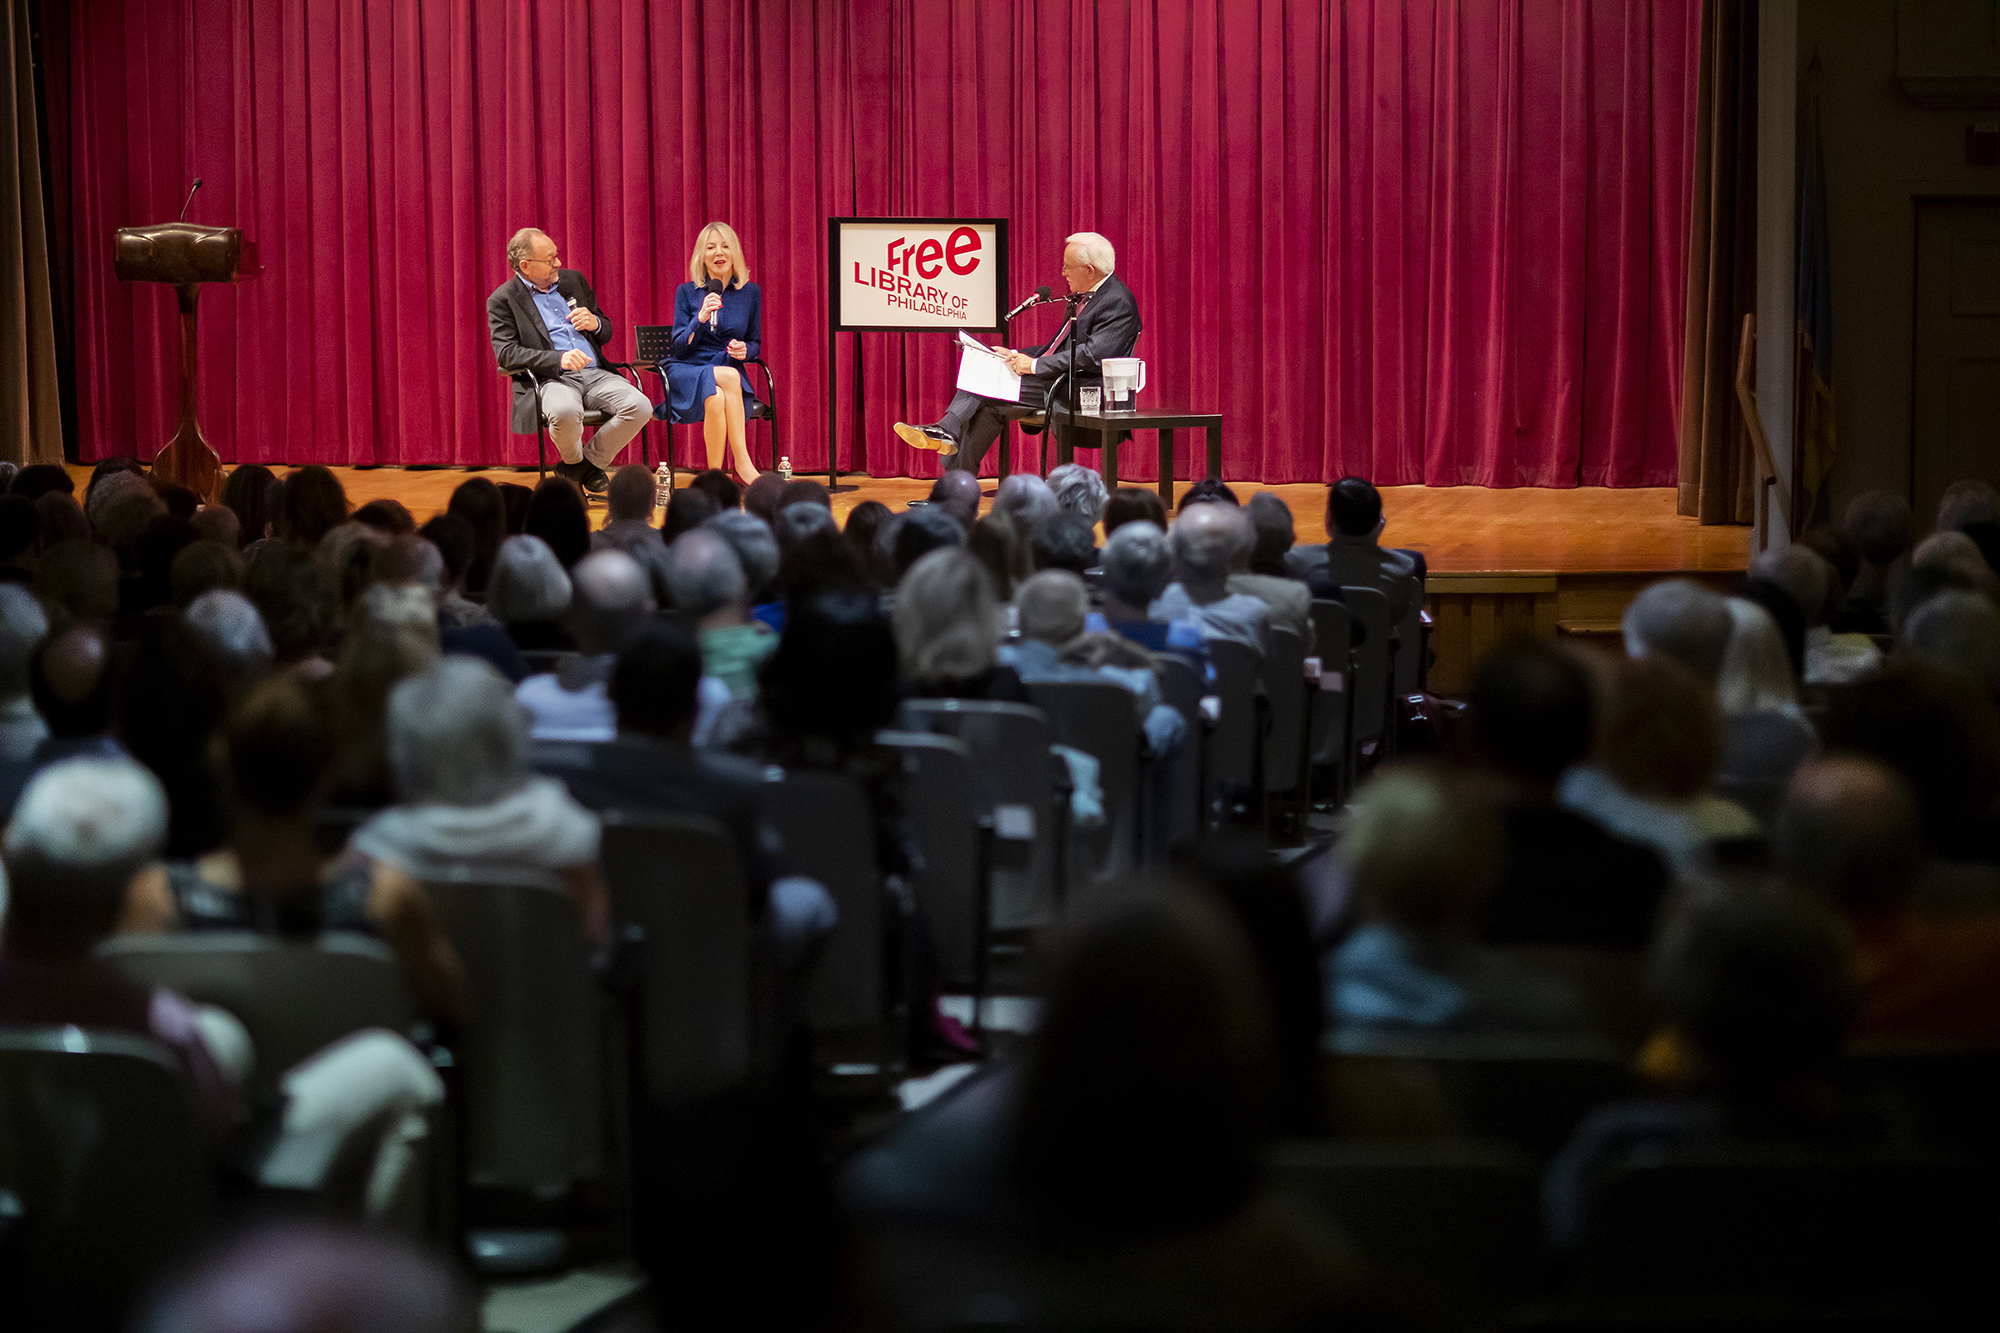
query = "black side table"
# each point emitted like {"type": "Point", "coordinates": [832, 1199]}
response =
{"type": "Point", "coordinates": [1162, 423]}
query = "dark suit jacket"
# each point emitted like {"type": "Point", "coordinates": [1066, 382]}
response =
{"type": "Point", "coordinates": [521, 340]}
{"type": "Point", "coordinates": [1108, 325]}
{"type": "Point", "coordinates": [642, 775]}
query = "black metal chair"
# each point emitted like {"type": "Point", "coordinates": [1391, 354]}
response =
{"type": "Point", "coordinates": [592, 418]}
{"type": "Point", "coordinates": [655, 342]}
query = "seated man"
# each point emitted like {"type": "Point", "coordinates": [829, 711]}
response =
{"type": "Point", "coordinates": [1055, 645]}
{"type": "Point", "coordinates": [610, 598]}
{"type": "Point", "coordinates": [1260, 572]}
{"type": "Point", "coordinates": [1137, 566]}
{"type": "Point", "coordinates": [1107, 325]}
{"type": "Point", "coordinates": [1848, 835]}
{"type": "Point", "coordinates": [544, 320]}
{"type": "Point", "coordinates": [1563, 879]}
{"type": "Point", "coordinates": [1208, 540]}
{"type": "Point", "coordinates": [650, 765]}
{"type": "Point", "coordinates": [708, 587]}
{"type": "Point", "coordinates": [1882, 528]}
{"type": "Point", "coordinates": [628, 526]}
{"type": "Point", "coordinates": [957, 493]}
{"type": "Point", "coordinates": [1353, 557]}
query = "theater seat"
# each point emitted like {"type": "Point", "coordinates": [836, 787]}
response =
{"type": "Point", "coordinates": [953, 828]}
{"type": "Point", "coordinates": [103, 1176]}
{"type": "Point", "coordinates": [1097, 717]}
{"type": "Point", "coordinates": [1752, 1230]}
{"type": "Point", "coordinates": [1451, 1229]}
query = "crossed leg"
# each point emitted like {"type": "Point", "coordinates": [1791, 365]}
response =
{"type": "Point", "coordinates": [722, 420]}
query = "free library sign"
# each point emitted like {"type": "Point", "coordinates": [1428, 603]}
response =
{"type": "Point", "coordinates": [906, 274]}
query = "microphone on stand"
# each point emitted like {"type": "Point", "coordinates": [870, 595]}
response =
{"type": "Point", "coordinates": [1041, 294]}
{"type": "Point", "coordinates": [190, 199]}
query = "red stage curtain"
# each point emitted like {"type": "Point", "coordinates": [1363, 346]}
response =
{"type": "Point", "coordinates": [1418, 240]}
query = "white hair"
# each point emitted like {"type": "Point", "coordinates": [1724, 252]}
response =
{"type": "Point", "coordinates": [703, 573]}
{"type": "Point", "coordinates": [1756, 669]}
{"type": "Point", "coordinates": [229, 621]}
{"type": "Point", "coordinates": [1093, 250]}
{"type": "Point", "coordinates": [1208, 538]}
{"type": "Point", "coordinates": [1080, 490]}
{"type": "Point", "coordinates": [528, 582]}
{"type": "Point", "coordinates": [1026, 499]}
{"type": "Point", "coordinates": [89, 814]}
{"type": "Point", "coordinates": [456, 734]}
{"type": "Point", "coordinates": [23, 624]}
{"type": "Point", "coordinates": [1137, 563]}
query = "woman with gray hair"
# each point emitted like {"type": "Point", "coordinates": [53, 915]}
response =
{"type": "Point", "coordinates": [946, 631]}
{"type": "Point", "coordinates": [1138, 565]}
{"type": "Point", "coordinates": [469, 807]}
{"type": "Point", "coordinates": [528, 593]}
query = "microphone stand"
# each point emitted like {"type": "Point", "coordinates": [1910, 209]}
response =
{"type": "Point", "coordinates": [1074, 302]}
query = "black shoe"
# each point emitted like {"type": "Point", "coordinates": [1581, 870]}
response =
{"type": "Point", "coordinates": [595, 480]}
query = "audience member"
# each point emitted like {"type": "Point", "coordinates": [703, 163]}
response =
{"type": "Point", "coordinates": [1079, 490]}
{"type": "Point", "coordinates": [20, 527]}
{"type": "Point", "coordinates": [999, 550]}
{"type": "Point", "coordinates": [1353, 557]}
{"type": "Point", "coordinates": [477, 501]}
{"type": "Point", "coordinates": [610, 599]}
{"type": "Point", "coordinates": [1055, 645]}
{"type": "Point", "coordinates": [234, 636]}
{"type": "Point", "coordinates": [78, 580]}
{"type": "Point", "coordinates": [709, 589]}
{"type": "Point", "coordinates": [863, 530]}
{"type": "Point", "coordinates": [23, 626]}
{"type": "Point", "coordinates": [1958, 631]}
{"type": "Point", "coordinates": [1654, 763]}
{"type": "Point", "coordinates": [822, 562]}
{"type": "Point", "coordinates": [628, 525]}
{"type": "Point", "coordinates": [650, 765]}
{"type": "Point", "coordinates": [468, 806]}
{"type": "Point", "coordinates": [832, 683]}
{"type": "Point", "coordinates": [39, 479]}
{"type": "Point", "coordinates": [514, 502]}
{"type": "Point", "coordinates": [178, 499]}
{"type": "Point", "coordinates": [686, 511]}
{"type": "Point", "coordinates": [1422, 850]}
{"type": "Point", "coordinates": [1138, 564]}
{"type": "Point", "coordinates": [166, 712]}
{"type": "Point", "coordinates": [1683, 622]}
{"type": "Point", "coordinates": [311, 504]}
{"type": "Point", "coordinates": [202, 566]}
{"type": "Point", "coordinates": [1562, 879]}
{"type": "Point", "coordinates": [719, 485]}
{"type": "Point", "coordinates": [760, 497]}
{"type": "Point", "coordinates": [1942, 736]}
{"type": "Point", "coordinates": [1849, 836]}
{"type": "Point", "coordinates": [1817, 588]}
{"type": "Point", "coordinates": [1881, 526]}
{"type": "Point", "coordinates": [387, 516]}
{"type": "Point", "coordinates": [756, 550]}
{"type": "Point", "coordinates": [218, 523]}
{"type": "Point", "coordinates": [1208, 541]}
{"type": "Point", "coordinates": [1758, 996]}
{"type": "Point", "coordinates": [1260, 571]}
{"type": "Point", "coordinates": [392, 636]}
{"type": "Point", "coordinates": [957, 493]}
{"type": "Point", "coordinates": [119, 508]}
{"type": "Point", "coordinates": [1025, 499]}
{"type": "Point", "coordinates": [917, 533]}
{"type": "Point", "coordinates": [276, 752]}
{"type": "Point", "coordinates": [1064, 540]}
{"type": "Point", "coordinates": [558, 516]}
{"type": "Point", "coordinates": [801, 490]}
{"type": "Point", "coordinates": [247, 494]}
{"type": "Point", "coordinates": [1133, 504]}
{"type": "Point", "coordinates": [945, 631]}
{"type": "Point", "coordinates": [1968, 500]}
{"type": "Point", "coordinates": [456, 546]}
{"type": "Point", "coordinates": [1766, 736]}
{"type": "Point", "coordinates": [529, 595]}
{"type": "Point", "coordinates": [796, 522]}
{"type": "Point", "coordinates": [151, 574]}
{"type": "Point", "coordinates": [81, 832]}
{"type": "Point", "coordinates": [292, 594]}
{"type": "Point", "coordinates": [1207, 490]}
{"type": "Point", "coordinates": [59, 518]}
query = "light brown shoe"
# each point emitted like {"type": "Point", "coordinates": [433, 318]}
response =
{"type": "Point", "coordinates": [926, 437]}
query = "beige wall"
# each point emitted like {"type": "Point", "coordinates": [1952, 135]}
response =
{"type": "Point", "coordinates": [1882, 151]}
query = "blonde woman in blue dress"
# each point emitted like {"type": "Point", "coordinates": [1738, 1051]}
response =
{"type": "Point", "coordinates": [718, 325]}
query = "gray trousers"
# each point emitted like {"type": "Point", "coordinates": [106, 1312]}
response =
{"type": "Point", "coordinates": [564, 400]}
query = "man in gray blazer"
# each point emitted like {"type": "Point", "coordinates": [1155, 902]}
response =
{"type": "Point", "coordinates": [544, 320]}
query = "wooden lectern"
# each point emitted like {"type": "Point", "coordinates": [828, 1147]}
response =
{"type": "Point", "coordinates": [187, 256]}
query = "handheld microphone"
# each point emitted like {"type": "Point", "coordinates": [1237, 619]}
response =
{"type": "Point", "coordinates": [1041, 294]}
{"type": "Point", "coordinates": [190, 199]}
{"type": "Point", "coordinates": [714, 285]}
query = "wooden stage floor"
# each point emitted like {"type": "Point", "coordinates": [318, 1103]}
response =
{"type": "Point", "coordinates": [1460, 529]}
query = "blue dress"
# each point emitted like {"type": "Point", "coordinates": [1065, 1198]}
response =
{"type": "Point", "coordinates": [691, 372]}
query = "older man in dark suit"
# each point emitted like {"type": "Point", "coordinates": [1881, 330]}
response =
{"type": "Point", "coordinates": [544, 320]}
{"type": "Point", "coordinates": [1106, 325]}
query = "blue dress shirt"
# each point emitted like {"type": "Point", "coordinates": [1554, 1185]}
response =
{"type": "Point", "coordinates": [555, 315]}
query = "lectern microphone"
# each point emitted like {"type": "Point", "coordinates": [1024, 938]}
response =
{"type": "Point", "coordinates": [190, 199]}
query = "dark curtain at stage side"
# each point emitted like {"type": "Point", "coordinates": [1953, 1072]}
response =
{"type": "Point", "coordinates": [1427, 242]}
{"type": "Point", "coordinates": [1717, 471]}
{"type": "Point", "coordinates": [30, 407]}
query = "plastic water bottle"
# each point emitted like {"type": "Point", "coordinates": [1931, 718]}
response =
{"type": "Point", "coordinates": [663, 486]}
{"type": "Point", "coordinates": [785, 467]}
